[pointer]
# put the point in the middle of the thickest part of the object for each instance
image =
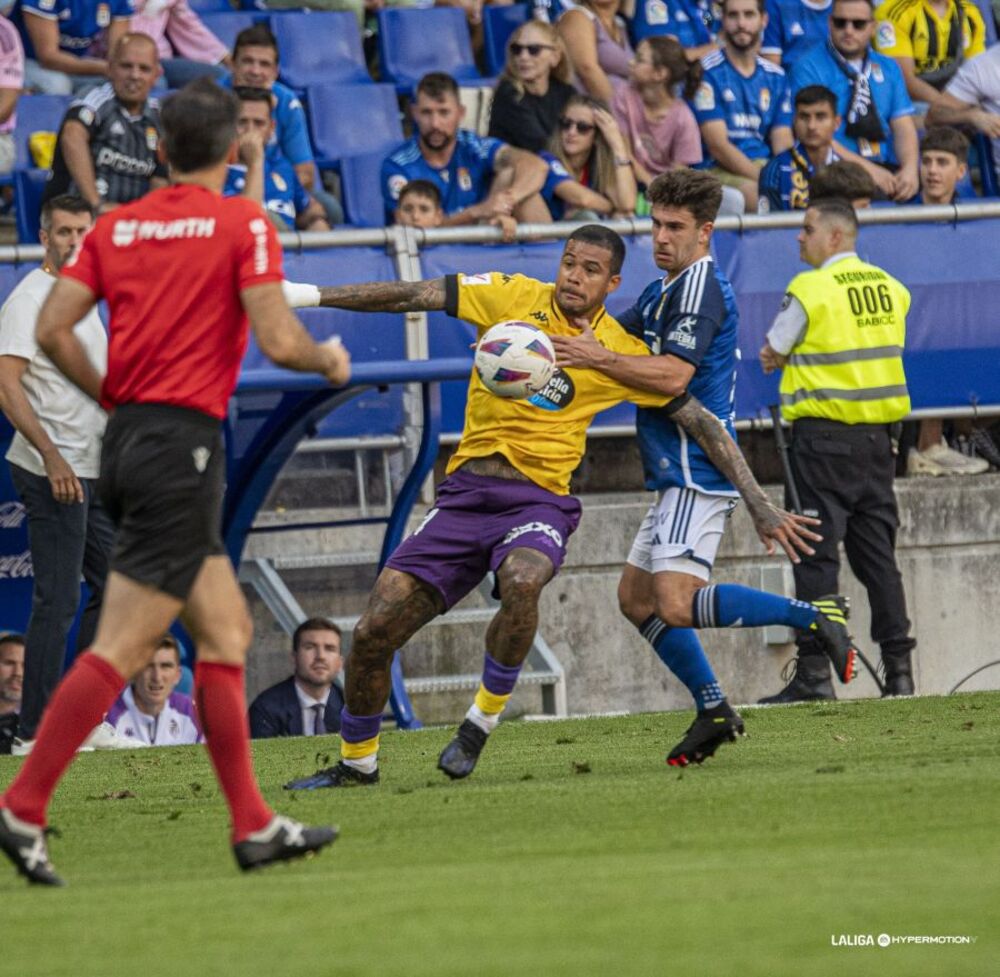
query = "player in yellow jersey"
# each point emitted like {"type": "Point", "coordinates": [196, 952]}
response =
{"type": "Point", "coordinates": [505, 504]}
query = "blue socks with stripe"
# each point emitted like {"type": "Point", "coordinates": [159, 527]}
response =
{"type": "Point", "coordinates": [681, 651]}
{"type": "Point", "coordinates": [728, 605]}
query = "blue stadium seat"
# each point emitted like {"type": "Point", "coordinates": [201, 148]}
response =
{"type": "Point", "coordinates": [412, 42]}
{"type": "Point", "coordinates": [320, 47]}
{"type": "Point", "coordinates": [36, 113]}
{"type": "Point", "coordinates": [210, 6]}
{"type": "Point", "coordinates": [361, 190]}
{"type": "Point", "coordinates": [352, 120]}
{"type": "Point", "coordinates": [982, 149]}
{"type": "Point", "coordinates": [226, 25]}
{"type": "Point", "coordinates": [28, 187]}
{"type": "Point", "coordinates": [498, 24]}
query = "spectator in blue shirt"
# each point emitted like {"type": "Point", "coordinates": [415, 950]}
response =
{"type": "Point", "coordinates": [784, 182]}
{"type": "Point", "coordinates": [877, 128]}
{"type": "Point", "coordinates": [66, 42]}
{"type": "Point", "coordinates": [480, 179]}
{"type": "Point", "coordinates": [743, 105]}
{"type": "Point", "coordinates": [794, 26]}
{"type": "Point", "coordinates": [695, 23]}
{"type": "Point", "coordinates": [255, 65]}
{"type": "Point", "coordinates": [264, 174]}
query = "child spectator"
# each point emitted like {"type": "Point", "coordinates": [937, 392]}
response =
{"type": "Point", "coordinates": [660, 130]}
{"type": "Point", "coordinates": [420, 205]}
{"type": "Point", "coordinates": [533, 88]}
{"type": "Point", "coordinates": [590, 173]}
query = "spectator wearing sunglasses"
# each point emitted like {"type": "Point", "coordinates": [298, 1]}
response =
{"type": "Point", "coordinates": [533, 89]}
{"type": "Point", "coordinates": [660, 129]}
{"type": "Point", "coordinates": [590, 173]}
{"type": "Point", "coordinates": [877, 128]}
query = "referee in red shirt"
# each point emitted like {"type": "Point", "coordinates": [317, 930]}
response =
{"type": "Point", "coordinates": [182, 270]}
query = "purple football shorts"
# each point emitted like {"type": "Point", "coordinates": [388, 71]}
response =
{"type": "Point", "coordinates": [476, 521]}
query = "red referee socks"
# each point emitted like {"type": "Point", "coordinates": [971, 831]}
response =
{"type": "Point", "coordinates": [222, 711]}
{"type": "Point", "coordinates": [78, 705]}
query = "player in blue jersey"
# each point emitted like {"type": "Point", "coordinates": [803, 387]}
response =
{"type": "Point", "coordinates": [743, 104]}
{"type": "Point", "coordinates": [689, 320]}
{"type": "Point", "coordinates": [784, 182]}
{"type": "Point", "coordinates": [793, 26]}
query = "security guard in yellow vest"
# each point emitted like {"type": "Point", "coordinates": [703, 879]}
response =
{"type": "Point", "coordinates": [839, 338]}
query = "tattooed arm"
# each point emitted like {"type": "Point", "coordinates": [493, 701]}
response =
{"type": "Point", "coordinates": [773, 525]}
{"type": "Point", "coordinates": [425, 296]}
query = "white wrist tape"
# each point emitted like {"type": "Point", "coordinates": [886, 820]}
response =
{"type": "Point", "coordinates": [300, 295]}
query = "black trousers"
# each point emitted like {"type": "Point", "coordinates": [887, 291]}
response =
{"type": "Point", "coordinates": [844, 474]}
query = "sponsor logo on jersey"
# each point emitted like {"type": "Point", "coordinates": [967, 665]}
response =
{"type": "Point", "coordinates": [540, 317]}
{"type": "Point", "coordinates": [475, 279]}
{"type": "Point", "coordinates": [885, 34]}
{"type": "Point", "coordinates": [123, 163]}
{"type": "Point", "coordinates": [556, 394]}
{"type": "Point", "coordinates": [534, 527]}
{"type": "Point", "coordinates": [126, 232]}
{"type": "Point", "coordinates": [683, 334]}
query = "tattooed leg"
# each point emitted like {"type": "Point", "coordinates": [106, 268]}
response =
{"type": "Point", "coordinates": [399, 606]}
{"type": "Point", "coordinates": [521, 578]}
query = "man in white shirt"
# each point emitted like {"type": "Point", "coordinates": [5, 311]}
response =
{"type": "Point", "coordinates": [307, 703]}
{"type": "Point", "coordinates": [149, 712]}
{"type": "Point", "coordinates": [54, 462]}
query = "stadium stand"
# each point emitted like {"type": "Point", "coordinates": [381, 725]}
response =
{"type": "Point", "coordinates": [210, 6]}
{"type": "Point", "coordinates": [225, 26]}
{"type": "Point", "coordinates": [305, 61]}
{"type": "Point", "coordinates": [352, 120]}
{"type": "Point", "coordinates": [28, 187]}
{"type": "Point", "coordinates": [36, 113]}
{"type": "Point", "coordinates": [406, 55]}
{"type": "Point", "coordinates": [498, 24]}
{"type": "Point", "coordinates": [361, 190]}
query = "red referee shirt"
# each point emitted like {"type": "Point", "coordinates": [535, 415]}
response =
{"type": "Point", "coordinates": [171, 266]}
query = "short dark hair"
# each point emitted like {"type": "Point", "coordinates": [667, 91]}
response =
{"type": "Point", "coordinates": [694, 190]}
{"type": "Point", "coordinates": [199, 125]}
{"type": "Point", "coordinates": [946, 139]}
{"type": "Point", "coordinates": [843, 179]}
{"type": "Point", "coordinates": [869, 3]}
{"type": "Point", "coordinates": [12, 638]}
{"type": "Point", "coordinates": [248, 93]}
{"type": "Point", "coordinates": [68, 202]}
{"type": "Point", "coordinates": [257, 36]}
{"type": "Point", "coordinates": [814, 94]}
{"type": "Point", "coordinates": [761, 6]}
{"type": "Point", "coordinates": [838, 208]}
{"type": "Point", "coordinates": [421, 188]}
{"type": "Point", "coordinates": [314, 624]}
{"type": "Point", "coordinates": [437, 84]}
{"type": "Point", "coordinates": [602, 237]}
{"type": "Point", "coordinates": [169, 641]}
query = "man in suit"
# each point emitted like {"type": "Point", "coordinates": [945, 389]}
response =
{"type": "Point", "coordinates": [308, 702]}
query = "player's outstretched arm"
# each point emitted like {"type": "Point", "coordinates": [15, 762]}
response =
{"type": "Point", "coordinates": [68, 302]}
{"type": "Point", "coordinates": [791, 532]}
{"type": "Point", "coordinates": [425, 296]}
{"type": "Point", "coordinates": [286, 342]}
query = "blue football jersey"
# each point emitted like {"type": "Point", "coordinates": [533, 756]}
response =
{"type": "Point", "coordinates": [793, 26]}
{"type": "Point", "coordinates": [693, 316]}
{"type": "Point", "coordinates": [783, 184]}
{"type": "Point", "coordinates": [750, 107]}
{"type": "Point", "coordinates": [692, 22]}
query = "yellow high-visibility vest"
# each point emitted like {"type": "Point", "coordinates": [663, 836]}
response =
{"type": "Point", "coordinates": [849, 365]}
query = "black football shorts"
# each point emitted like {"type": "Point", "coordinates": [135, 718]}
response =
{"type": "Point", "coordinates": [162, 481]}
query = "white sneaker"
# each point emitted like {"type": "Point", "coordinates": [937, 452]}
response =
{"type": "Point", "coordinates": [939, 459]}
{"type": "Point", "coordinates": [21, 747]}
{"type": "Point", "coordinates": [106, 737]}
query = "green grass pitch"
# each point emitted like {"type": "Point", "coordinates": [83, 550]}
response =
{"type": "Point", "coordinates": [573, 850]}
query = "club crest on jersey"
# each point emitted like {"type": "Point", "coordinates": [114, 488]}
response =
{"type": "Point", "coordinates": [704, 98]}
{"type": "Point", "coordinates": [201, 455]}
{"type": "Point", "coordinates": [765, 99]}
{"type": "Point", "coordinates": [103, 15]}
{"type": "Point", "coordinates": [279, 182]}
{"type": "Point", "coordinates": [885, 35]}
{"type": "Point", "coordinates": [656, 12]}
{"type": "Point", "coordinates": [556, 394]}
{"type": "Point", "coordinates": [396, 183]}
{"type": "Point", "coordinates": [152, 138]}
{"type": "Point", "coordinates": [464, 179]}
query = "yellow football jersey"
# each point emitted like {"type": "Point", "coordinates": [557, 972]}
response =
{"type": "Point", "coordinates": [543, 437]}
{"type": "Point", "coordinates": [914, 29]}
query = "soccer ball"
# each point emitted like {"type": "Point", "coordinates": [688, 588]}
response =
{"type": "Point", "coordinates": [515, 359]}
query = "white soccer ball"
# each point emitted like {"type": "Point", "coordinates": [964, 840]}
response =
{"type": "Point", "coordinates": [515, 359]}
